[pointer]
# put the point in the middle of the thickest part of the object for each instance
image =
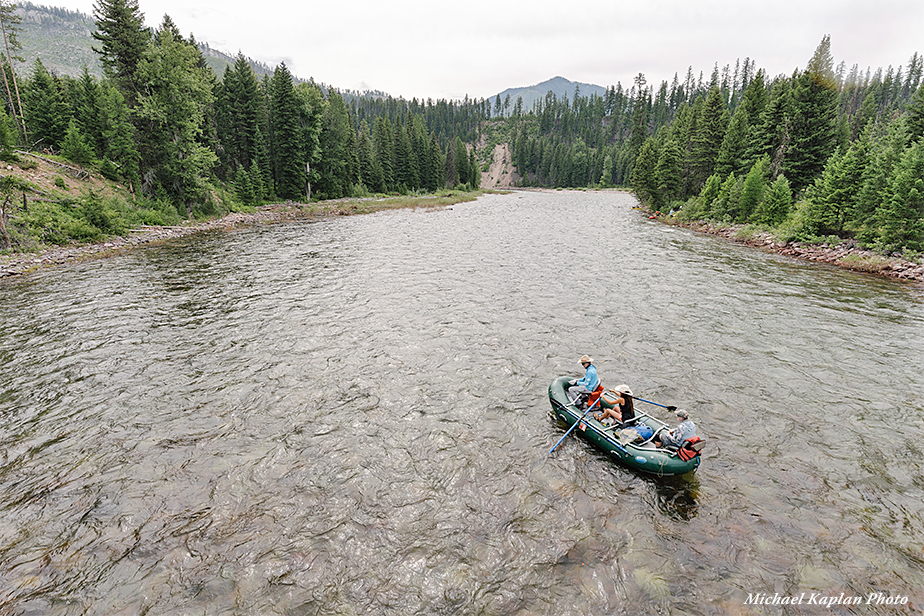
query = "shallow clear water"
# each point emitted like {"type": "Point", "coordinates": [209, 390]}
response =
{"type": "Point", "coordinates": [351, 417]}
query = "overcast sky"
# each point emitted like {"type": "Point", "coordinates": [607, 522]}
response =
{"type": "Point", "coordinates": [425, 49]}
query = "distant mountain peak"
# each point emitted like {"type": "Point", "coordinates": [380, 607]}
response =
{"type": "Point", "coordinates": [561, 86]}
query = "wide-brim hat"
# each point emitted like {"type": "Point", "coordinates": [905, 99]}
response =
{"type": "Point", "coordinates": [587, 359]}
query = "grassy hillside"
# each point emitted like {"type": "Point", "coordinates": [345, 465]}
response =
{"type": "Point", "coordinates": [47, 201]}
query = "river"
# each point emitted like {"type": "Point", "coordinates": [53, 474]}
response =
{"type": "Point", "coordinates": [351, 417]}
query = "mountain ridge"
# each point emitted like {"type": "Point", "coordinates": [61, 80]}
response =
{"type": "Point", "coordinates": [63, 40]}
{"type": "Point", "coordinates": [558, 85]}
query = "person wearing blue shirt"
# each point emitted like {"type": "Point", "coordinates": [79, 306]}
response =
{"type": "Point", "coordinates": [584, 387]}
{"type": "Point", "coordinates": [678, 435]}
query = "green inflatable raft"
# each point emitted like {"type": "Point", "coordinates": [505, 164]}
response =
{"type": "Point", "coordinates": [630, 443]}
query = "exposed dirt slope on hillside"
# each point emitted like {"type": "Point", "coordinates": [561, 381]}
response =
{"type": "Point", "coordinates": [500, 173]}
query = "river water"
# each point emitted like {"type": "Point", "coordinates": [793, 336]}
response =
{"type": "Point", "coordinates": [351, 417]}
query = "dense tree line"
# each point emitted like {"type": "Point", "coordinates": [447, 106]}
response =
{"type": "Point", "coordinates": [162, 122]}
{"type": "Point", "coordinates": [824, 151]}
{"type": "Point", "coordinates": [817, 154]}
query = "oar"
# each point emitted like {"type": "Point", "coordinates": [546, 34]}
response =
{"type": "Point", "coordinates": [589, 409]}
{"type": "Point", "coordinates": [670, 408]}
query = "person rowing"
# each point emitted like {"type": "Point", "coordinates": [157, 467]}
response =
{"type": "Point", "coordinates": [580, 390]}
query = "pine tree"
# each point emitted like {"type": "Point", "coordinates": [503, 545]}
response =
{"type": "Point", "coordinates": [752, 192]}
{"type": "Point", "coordinates": [668, 174]}
{"type": "Point", "coordinates": [755, 96]}
{"type": "Point", "coordinates": [241, 112]}
{"type": "Point", "coordinates": [725, 205]}
{"type": "Point", "coordinates": [451, 174]}
{"type": "Point", "coordinates": [89, 111]}
{"type": "Point", "coordinates": [639, 132]}
{"type": "Point", "coordinates": [366, 158]}
{"type": "Point", "coordinates": [311, 117]}
{"type": "Point", "coordinates": [771, 136]}
{"type": "Point", "coordinates": [606, 175]}
{"type": "Point", "coordinates": [119, 136]}
{"type": "Point", "coordinates": [263, 155]}
{"type": "Point", "coordinates": [474, 174]}
{"type": "Point", "coordinates": [702, 205]}
{"type": "Point", "coordinates": [916, 115]}
{"type": "Point", "coordinates": [461, 160]}
{"type": "Point", "coordinates": [75, 146]}
{"type": "Point", "coordinates": [833, 199]}
{"type": "Point", "coordinates": [407, 174]}
{"type": "Point", "coordinates": [8, 137]}
{"type": "Point", "coordinates": [707, 141]}
{"type": "Point", "coordinates": [244, 187]}
{"type": "Point", "coordinates": [383, 143]}
{"type": "Point", "coordinates": [883, 157]}
{"type": "Point", "coordinates": [334, 167]}
{"type": "Point", "coordinates": [902, 217]}
{"type": "Point", "coordinates": [776, 204]}
{"type": "Point", "coordinates": [814, 124]}
{"type": "Point", "coordinates": [435, 176]}
{"type": "Point", "coordinates": [732, 156]}
{"type": "Point", "coordinates": [255, 173]}
{"type": "Point", "coordinates": [288, 137]}
{"type": "Point", "coordinates": [643, 178]}
{"type": "Point", "coordinates": [47, 112]}
{"type": "Point", "coordinates": [123, 43]}
{"type": "Point", "coordinates": [417, 136]}
{"type": "Point", "coordinates": [580, 164]}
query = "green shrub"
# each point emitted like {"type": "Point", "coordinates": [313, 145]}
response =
{"type": "Point", "coordinates": [94, 213]}
{"type": "Point", "coordinates": [56, 223]}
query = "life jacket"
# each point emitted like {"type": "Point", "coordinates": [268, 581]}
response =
{"type": "Point", "coordinates": [691, 448]}
{"type": "Point", "coordinates": [594, 395]}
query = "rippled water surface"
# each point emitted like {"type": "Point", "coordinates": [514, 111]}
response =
{"type": "Point", "coordinates": [350, 417]}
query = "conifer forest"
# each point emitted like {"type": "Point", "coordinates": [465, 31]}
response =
{"type": "Point", "coordinates": [829, 151]}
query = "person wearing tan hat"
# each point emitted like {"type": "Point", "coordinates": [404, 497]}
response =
{"type": "Point", "coordinates": [676, 437]}
{"type": "Point", "coordinates": [584, 387]}
{"type": "Point", "coordinates": [621, 399]}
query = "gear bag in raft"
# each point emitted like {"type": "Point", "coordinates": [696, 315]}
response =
{"type": "Point", "coordinates": [691, 448]}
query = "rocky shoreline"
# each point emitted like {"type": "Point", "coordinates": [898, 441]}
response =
{"type": "Point", "coordinates": [847, 254]}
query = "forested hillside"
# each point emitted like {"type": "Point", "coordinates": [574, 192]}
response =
{"type": "Point", "coordinates": [825, 151]}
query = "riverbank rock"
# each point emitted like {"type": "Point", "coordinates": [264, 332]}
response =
{"type": "Point", "coordinates": [847, 254]}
